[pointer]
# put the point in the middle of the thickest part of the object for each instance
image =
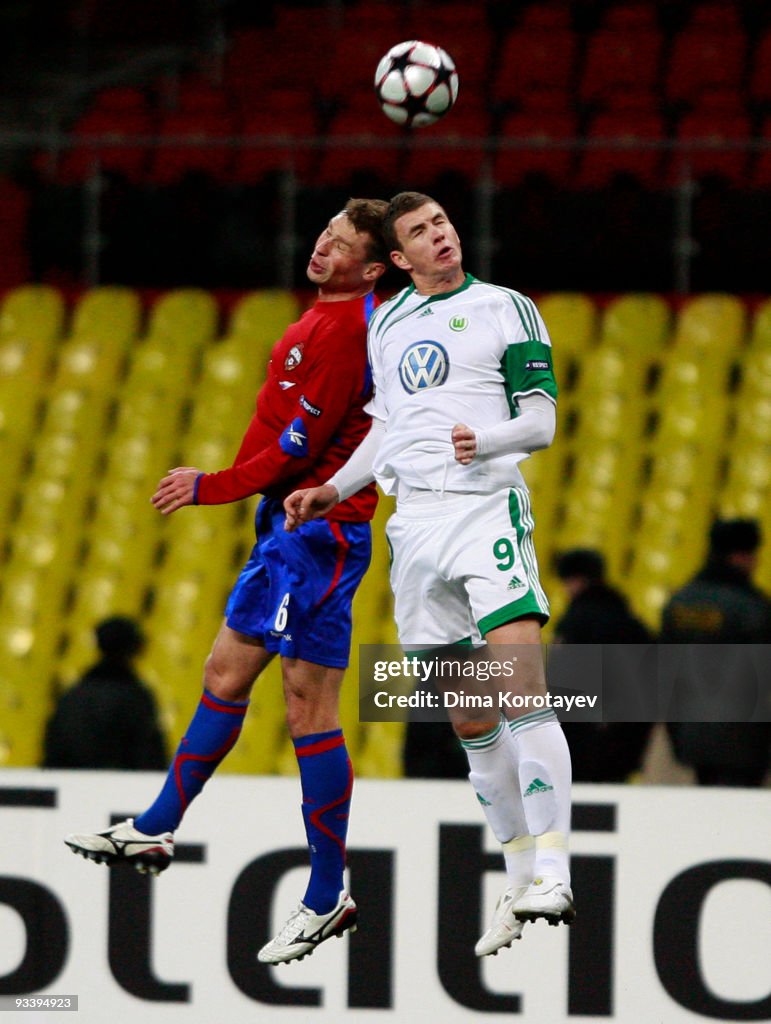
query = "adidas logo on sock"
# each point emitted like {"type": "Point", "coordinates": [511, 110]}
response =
{"type": "Point", "coordinates": [537, 786]}
{"type": "Point", "coordinates": [483, 802]}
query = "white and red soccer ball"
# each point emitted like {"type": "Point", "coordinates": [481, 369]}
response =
{"type": "Point", "coordinates": [416, 83]}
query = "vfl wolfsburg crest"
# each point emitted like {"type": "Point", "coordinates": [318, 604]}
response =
{"type": "Point", "coordinates": [458, 323]}
{"type": "Point", "coordinates": [423, 365]}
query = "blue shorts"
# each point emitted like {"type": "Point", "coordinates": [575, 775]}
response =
{"type": "Point", "coordinates": [295, 592]}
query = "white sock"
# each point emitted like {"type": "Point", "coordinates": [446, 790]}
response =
{"type": "Point", "coordinates": [493, 775]}
{"type": "Point", "coordinates": [543, 764]}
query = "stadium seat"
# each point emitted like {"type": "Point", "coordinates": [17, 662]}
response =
{"type": "Point", "coordinates": [188, 316]}
{"type": "Point", "coordinates": [630, 17]}
{"type": "Point", "coordinates": [570, 319]}
{"type": "Point", "coordinates": [760, 76]}
{"type": "Point", "coordinates": [719, 149]}
{"type": "Point", "coordinates": [32, 313]}
{"type": "Point", "coordinates": [542, 144]}
{"type": "Point", "coordinates": [260, 318]}
{"type": "Point", "coordinates": [710, 327]}
{"type": "Point", "coordinates": [460, 150]}
{"type": "Point", "coordinates": [715, 17]}
{"type": "Point", "coordinates": [637, 324]}
{"type": "Point", "coordinates": [635, 149]}
{"type": "Point", "coordinates": [122, 114]}
{"type": "Point", "coordinates": [340, 161]}
{"type": "Point", "coordinates": [207, 149]}
{"type": "Point", "coordinates": [108, 313]}
{"type": "Point", "coordinates": [546, 17]}
{"type": "Point", "coordinates": [537, 58]}
{"type": "Point", "coordinates": [618, 60]}
{"type": "Point", "coordinates": [760, 336]}
{"type": "Point", "coordinates": [704, 58]}
{"type": "Point", "coordinates": [272, 142]}
{"type": "Point", "coordinates": [760, 162]}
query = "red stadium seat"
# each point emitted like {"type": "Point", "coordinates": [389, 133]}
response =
{"type": "Point", "coordinates": [339, 163]}
{"type": "Point", "coordinates": [760, 76]}
{"type": "Point", "coordinates": [597, 167]}
{"type": "Point", "coordinates": [173, 160]}
{"type": "Point", "coordinates": [703, 59]}
{"type": "Point", "coordinates": [352, 65]}
{"type": "Point", "coordinates": [121, 112]}
{"type": "Point", "coordinates": [253, 162]}
{"type": "Point", "coordinates": [715, 17]}
{"type": "Point", "coordinates": [619, 60]}
{"type": "Point", "coordinates": [534, 60]}
{"type": "Point", "coordinates": [467, 134]}
{"type": "Point", "coordinates": [761, 163]}
{"type": "Point", "coordinates": [712, 128]}
{"type": "Point", "coordinates": [555, 163]}
{"type": "Point", "coordinates": [547, 17]}
{"type": "Point", "coordinates": [632, 17]}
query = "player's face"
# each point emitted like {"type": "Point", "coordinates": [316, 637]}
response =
{"type": "Point", "coordinates": [430, 247]}
{"type": "Point", "coordinates": [339, 261]}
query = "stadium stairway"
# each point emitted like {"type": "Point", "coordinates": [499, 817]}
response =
{"type": "Point", "coordinates": [664, 422]}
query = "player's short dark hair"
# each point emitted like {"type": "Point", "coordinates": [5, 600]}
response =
{"type": "Point", "coordinates": [366, 215]}
{"type": "Point", "coordinates": [404, 202]}
{"type": "Point", "coordinates": [119, 638]}
{"type": "Point", "coordinates": [734, 536]}
{"type": "Point", "coordinates": [584, 562]}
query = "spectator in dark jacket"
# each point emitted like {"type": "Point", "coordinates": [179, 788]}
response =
{"type": "Point", "coordinates": [721, 605]}
{"type": "Point", "coordinates": [599, 614]}
{"type": "Point", "coordinates": [109, 718]}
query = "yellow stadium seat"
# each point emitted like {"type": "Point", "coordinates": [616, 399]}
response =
{"type": "Point", "coordinates": [613, 370]}
{"type": "Point", "coordinates": [263, 314]}
{"type": "Point", "coordinates": [750, 469]}
{"type": "Point", "coordinates": [228, 368]}
{"type": "Point", "coordinates": [637, 325]}
{"type": "Point", "coordinates": [149, 413]}
{"type": "Point", "coordinates": [110, 314]}
{"type": "Point", "coordinates": [188, 316]}
{"type": "Point", "coordinates": [753, 420]}
{"type": "Point", "coordinates": [710, 327]}
{"type": "Point", "coordinates": [140, 458]}
{"type": "Point", "coordinates": [33, 313]}
{"type": "Point", "coordinates": [571, 319]}
{"type": "Point", "coordinates": [163, 366]}
{"type": "Point", "coordinates": [692, 416]}
{"type": "Point", "coordinates": [760, 336]}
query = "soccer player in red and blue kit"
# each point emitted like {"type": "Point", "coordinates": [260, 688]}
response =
{"type": "Point", "coordinates": [293, 597]}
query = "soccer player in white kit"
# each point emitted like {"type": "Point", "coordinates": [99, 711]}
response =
{"type": "Point", "coordinates": [464, 390]}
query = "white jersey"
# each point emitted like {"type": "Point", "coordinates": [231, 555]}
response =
{"type": "Point", "coordinates": [460, 357]}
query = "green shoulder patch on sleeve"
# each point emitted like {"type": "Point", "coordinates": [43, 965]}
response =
{"type": "Point", "coordinates": [527, 366]}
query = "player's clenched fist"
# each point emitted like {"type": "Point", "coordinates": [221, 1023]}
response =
{"type": "Point", "coordinates": [465, 443]}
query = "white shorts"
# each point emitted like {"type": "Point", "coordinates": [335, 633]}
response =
{"type": "Point", "coordinates": [462, 565]}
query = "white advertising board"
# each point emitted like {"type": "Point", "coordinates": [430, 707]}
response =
{"type": "Point", "coordinates": [672, 885]}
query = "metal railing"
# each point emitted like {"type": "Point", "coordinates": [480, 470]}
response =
{"type": "Point", "coordinates": [51, 145]}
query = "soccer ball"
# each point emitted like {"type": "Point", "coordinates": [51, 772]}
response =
{"type": "Point", "coordinates": [416, 83]}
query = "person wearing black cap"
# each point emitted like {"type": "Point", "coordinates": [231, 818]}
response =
{"type": "Point", "coordinates": [109, 718]}
{"type": "Point", "coordinates": [599, 614]}
{"type": "Point", "coordinates": [721, 605]}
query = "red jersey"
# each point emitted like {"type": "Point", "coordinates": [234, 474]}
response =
{"type": "Point", "coordinates": [310, 412]}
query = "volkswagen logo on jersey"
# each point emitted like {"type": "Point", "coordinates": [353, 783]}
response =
{"type": "Point", "coordinates": [424, 365]}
